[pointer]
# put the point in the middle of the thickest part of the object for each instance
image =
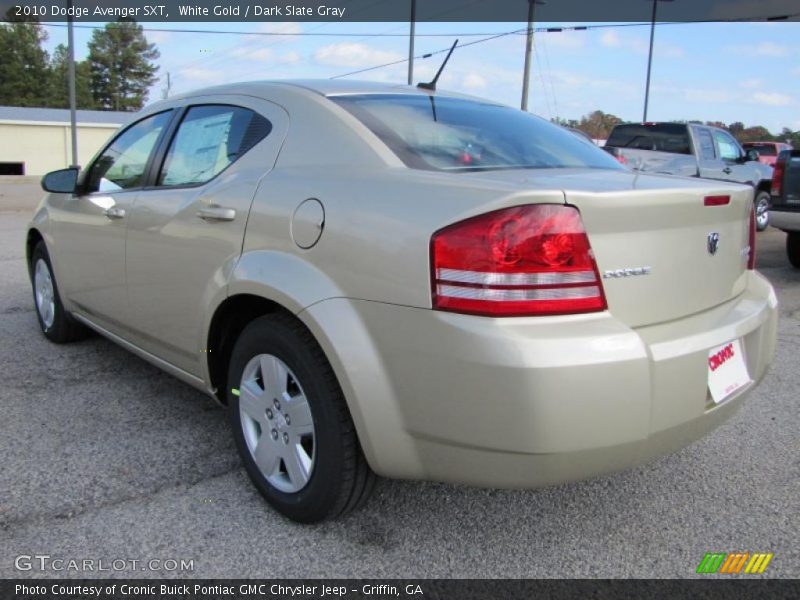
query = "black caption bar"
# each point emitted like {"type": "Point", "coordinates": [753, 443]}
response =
{"type": "Point", "coordinates": [399, 10]}
{"type": "Point", "coordinates": [423, 589]}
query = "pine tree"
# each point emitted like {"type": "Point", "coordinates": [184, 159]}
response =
{"type": "Point", "coordinates": [121, 69]}
{"type": "Point", "coordinates": [59, 85]}
{"type": "Point", "coordinates": [23, 66]}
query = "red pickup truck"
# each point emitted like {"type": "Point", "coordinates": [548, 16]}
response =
{"type": "Point", "coordinates": [767, 151]}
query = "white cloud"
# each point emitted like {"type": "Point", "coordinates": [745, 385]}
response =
{"type": "Point", "coordinates": [158, 37]}
{"type": "Point", "coordinates": [289, 58]}
{"type": "Point", "coordinates": [260, 54]}
{"type": "Point", "coordinates": [474, 81]}
{"type": "Point", "coordinates": [198, 74]}
{"type": "Point", "coordinates": [661, 49]}
{"type": "Point", "coordinates": [353, 54]}
{"type": "Point", "coordinates": [772, 99]}
{"type": "Point", "coordinates": [665, 50]}
{"type": "Point", "coordinates": [771, 49]}
{"type": "Point", "coordinates": [750, 84]}
{"type": "Point", "coordinates": [706, 95]}
{"type": "Point", "coordinates": [610, 39]}
{"type": "Point", "coordinates": [567, 40]}
{"type": "Point", "coordinates": [289, 27]}
{"type": "Point", "coordinates": [265, 55]}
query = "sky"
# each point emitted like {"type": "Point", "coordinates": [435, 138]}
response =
{"type": "Point", "coordinates": [748, 72]}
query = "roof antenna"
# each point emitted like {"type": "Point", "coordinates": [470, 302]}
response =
{"type": "Point", "coordinates": [432, 84]}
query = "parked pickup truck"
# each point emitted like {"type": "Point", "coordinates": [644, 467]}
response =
{"type": "Point", "coordinates": [692, 151]}
{"type": "Point", "coordinates": [786, 201]}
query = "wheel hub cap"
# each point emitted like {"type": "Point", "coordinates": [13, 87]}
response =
{"type": "Point", "coordinates": [277, 423]}
{"type": "Point", "coordinates": [45, 294]}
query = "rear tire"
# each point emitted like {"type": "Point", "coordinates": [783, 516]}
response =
{"type": "Point", "coordinates": [57, 325]}
{"type": "Point", "coordinates": [793, 248]}
{"type": "Point", "coordinates": [291, 424]}
{"type": "Point", "coordinates": [761, 203]}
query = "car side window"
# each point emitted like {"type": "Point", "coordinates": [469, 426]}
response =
{"type": "Point", "coordinates": [209, 139]}
{"type": "Point", "coordinates": [122, 164]}
{"type": "Point", "coordinates": [727, 148]}
{"type": "Point", "coordinates": [706, 143]}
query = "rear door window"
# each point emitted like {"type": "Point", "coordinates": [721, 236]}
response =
{"type": "Point", "coordinates": [706, 144]}
{"type": "Point", "coordinates": [209, 139]}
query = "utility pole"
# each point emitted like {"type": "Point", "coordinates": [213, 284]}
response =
{"type": "Point", "coordinates": [73, 119]}
{"type": "Point", "coordinates": [650, 58]}
{"type": "Point", "coordinates": [167, 88]}
{"type": "Point", "coordinates": [526, 75]}
{"type": "Point", "coordinates": [411, 42]}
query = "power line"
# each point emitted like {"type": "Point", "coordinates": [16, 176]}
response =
{"type": "Point", "coordinates": [541, 78]}
{"type": "Point", "coordinates": [558, 30]}
{"type": "Point", "coordinates": [274, 33]}
{"type": "Point", "coordinates": [550, 75]}
{"type": "Point", "coordinates": [429, 54]}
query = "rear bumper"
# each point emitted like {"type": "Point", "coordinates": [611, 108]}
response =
{"type": "Point", "coordinates": [785, 219]}
{"type": "Point", "coordinates": [528, 402]}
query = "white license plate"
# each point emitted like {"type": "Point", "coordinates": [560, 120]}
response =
{"type": "Point", "coordinates": [727, 370]}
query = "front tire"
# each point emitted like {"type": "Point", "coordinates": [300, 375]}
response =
{"type": "Point", "coordinates": [56, 324]}
{"type": "Point", "coordinates": [793, 248]}
{"type": "Point", "coordinates": [291, 424]}
{"type": "Point", "coordinates": [761, 203]}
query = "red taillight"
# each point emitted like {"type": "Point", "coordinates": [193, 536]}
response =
{"type": "Point", "coordinates": [778, 171]}
{"type": "Point", "coordinates": [716, 200]}
{"type": "Point", "coordinates": [520, 261]}
{"type": "Point", "coordinates": [751, 257]}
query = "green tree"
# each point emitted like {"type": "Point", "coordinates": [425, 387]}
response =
{"type": "Point", "coordinates": [122, 71]}
{"type": "Point", "coordinates": [736, 128]}
{"type": "Point", "coordinates": [23, 66]}
{"type": "Point", "coordinates": [59, 84]}
{"type": "Point", "coordinates": [756, 133]}
{"type": "Point", "coordinates": [598, 124]}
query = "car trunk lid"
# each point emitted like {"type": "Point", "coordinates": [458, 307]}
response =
{"type": "Point", "coordinates": [653, 237]}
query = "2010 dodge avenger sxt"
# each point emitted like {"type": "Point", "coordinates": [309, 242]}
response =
{"type": "Point", "coordinates": [410, 283]}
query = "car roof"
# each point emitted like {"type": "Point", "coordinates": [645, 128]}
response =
{"type": "Point", "coordinates": [324, 87]}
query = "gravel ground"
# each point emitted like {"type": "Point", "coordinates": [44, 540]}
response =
{"type": "Point", "coordinates": [105, 457]}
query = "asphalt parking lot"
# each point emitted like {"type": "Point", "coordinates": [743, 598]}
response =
{"type": "Point", "coordinates": [106, 457]}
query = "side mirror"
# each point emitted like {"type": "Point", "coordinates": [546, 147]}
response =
{"type": "Point", "coordinates": [751, 155]}
{"type": "Point", "coordinates": [63, 181]}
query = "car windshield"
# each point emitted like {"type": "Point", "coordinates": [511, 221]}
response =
{"type": "Point", "coordinates": [665, 137]}
{"type": "Point", "coordinates": [454, 134]}
{"type": "Point", "coordinates": [762, 149]}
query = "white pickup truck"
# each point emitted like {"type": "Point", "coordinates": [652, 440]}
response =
{"type": "Point", "coordinates": [692, 150]}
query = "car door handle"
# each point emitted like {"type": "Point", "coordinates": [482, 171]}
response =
{"type": "Point", "coordinates": [115, 212]}
{"type": "Point", "coordinates": [727, 170]}
{"type": "Point", "coordinates": [216, 213]}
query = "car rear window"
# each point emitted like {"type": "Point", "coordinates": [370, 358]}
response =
{"type": "Point", "coordinates": [454, 134]}
{"type": "Point", "coordinates": [666, 137]}
{"type": "Point", "coordinates": [762, 149]}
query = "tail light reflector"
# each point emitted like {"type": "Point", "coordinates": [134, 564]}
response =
{"type": "Point", "coordinates": [716, 200]}
{"type": "Point", "coordinates": [521, 261]}
{"type": "Point", "coordinates": [616, 153]}
{"type": "Point", "coordinates": [778, 171]}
